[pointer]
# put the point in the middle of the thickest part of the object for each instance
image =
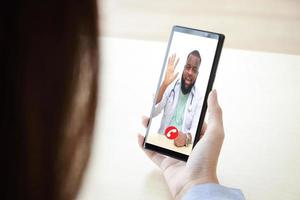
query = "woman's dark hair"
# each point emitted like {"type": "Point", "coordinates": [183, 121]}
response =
{"type": "Point", "coordinates": [48, 97]}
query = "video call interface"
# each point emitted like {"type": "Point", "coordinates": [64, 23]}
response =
{"type": "Point", "coordinates": [181, 90]}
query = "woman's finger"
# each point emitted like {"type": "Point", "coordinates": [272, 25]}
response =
{"type": "Point", "coordinates": [155, 157]}
{"type": "Point", "coordinates": [145, 121]}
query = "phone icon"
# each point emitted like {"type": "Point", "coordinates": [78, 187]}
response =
{"type": "Point", "coordinates": [171, 132]}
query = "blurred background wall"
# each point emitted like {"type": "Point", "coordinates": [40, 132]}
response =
{"type": "Point", "coordinates": [259, 25]}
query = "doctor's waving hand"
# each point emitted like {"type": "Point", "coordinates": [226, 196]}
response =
{"type": "Point", "coordinates": [180, 100]}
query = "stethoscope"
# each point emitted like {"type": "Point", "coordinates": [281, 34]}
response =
{"type": "Point", "coordinates": [173, 91]}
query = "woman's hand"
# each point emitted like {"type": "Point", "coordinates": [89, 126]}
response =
{"type": "Point", "coordinates": [202, 163]}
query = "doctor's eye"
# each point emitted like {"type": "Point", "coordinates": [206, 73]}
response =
{"type": "Point", "coordinates": [189, 67]}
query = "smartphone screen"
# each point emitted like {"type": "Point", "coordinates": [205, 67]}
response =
{"type": "Point", "coordinates": [185, 81]}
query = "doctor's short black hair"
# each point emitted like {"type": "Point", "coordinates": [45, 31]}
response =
{"type": "Point", "coordinates": [195, 53]}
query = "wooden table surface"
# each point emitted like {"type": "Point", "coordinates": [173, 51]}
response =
{"type": "Point", "coordinates": [260, 96]}
{"type": "Point", "coordinates": [259, 25]}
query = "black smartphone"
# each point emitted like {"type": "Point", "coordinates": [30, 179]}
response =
{"type": "Point", "coordinates": [184, 84]}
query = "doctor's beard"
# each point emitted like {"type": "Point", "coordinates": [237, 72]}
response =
{"type": "Point", "coordinates": [185, 90]}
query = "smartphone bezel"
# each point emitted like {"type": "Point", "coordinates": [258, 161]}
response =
{"type": "Point", "coordinates": [220, 37]}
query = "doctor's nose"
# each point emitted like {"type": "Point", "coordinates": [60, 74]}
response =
{"type": "Point", "coordinates": [190, 72]}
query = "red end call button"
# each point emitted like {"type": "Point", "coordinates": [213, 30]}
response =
{"type": "Point", "coordinates": [171, 132]}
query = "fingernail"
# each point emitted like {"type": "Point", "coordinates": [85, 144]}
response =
{"type": "Point", "coordinates": [213, 97]}
{"type": "Point", "coordinates": [213, 94]}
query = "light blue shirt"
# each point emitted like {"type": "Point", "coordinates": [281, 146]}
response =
{"type": "Point", "coordinates": [177, 119]}
{"type": "Point", "coordinates": [168, 105]}
{"type": "Point", "coordinates": [212, 191]}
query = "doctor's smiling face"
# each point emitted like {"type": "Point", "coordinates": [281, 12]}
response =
{"type": "Point", "coordinates": [190, 71]}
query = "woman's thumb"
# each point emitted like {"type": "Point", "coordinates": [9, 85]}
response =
{"type": "Point", "coordinates": [214, 110]}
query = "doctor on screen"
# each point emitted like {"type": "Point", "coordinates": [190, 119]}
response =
{"type": "Point", "coordinates": [180, 100]}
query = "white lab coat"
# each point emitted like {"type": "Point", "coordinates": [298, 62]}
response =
{"type": "Point", "coordinates": [168, 105]}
